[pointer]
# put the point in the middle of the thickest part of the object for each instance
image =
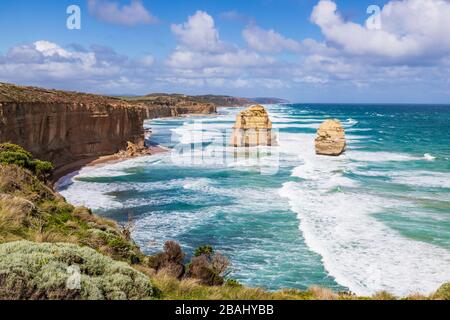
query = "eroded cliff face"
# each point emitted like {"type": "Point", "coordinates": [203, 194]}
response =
{"type": "Point", "coordinates": [68, 132]}
{"type": "Point", "coordinates": [71, 129]}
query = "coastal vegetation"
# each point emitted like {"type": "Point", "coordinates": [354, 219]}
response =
{"type": "Point", "coordinates": [42, 237]}
{"type": "Point", "coordinates": [14, 154]}
{"type": "Point", "coordinates": [38, 271]}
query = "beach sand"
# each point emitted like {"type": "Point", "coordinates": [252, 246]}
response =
{"type": "Point", "coordinates": [103, 160]}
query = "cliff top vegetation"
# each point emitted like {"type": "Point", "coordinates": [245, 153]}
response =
{"type": "Point", "coordinates": [24, 94]}
{"type": "Point", "coordinates": [15, 93]}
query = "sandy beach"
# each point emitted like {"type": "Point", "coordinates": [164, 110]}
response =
{"type": "Point", "coordinates": [103, 160]}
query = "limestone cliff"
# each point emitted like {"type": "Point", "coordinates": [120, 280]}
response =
{"type": "Point", "coordinates": [71, 129]}
{"type": "Point", "coordinates": [164, 105]}
{"type": "Point", "coordinates": [330, 139]}
{"type": "Point", "coordinates": [253, 128]}
{"type": "Point", "coordinates": [65, 127]}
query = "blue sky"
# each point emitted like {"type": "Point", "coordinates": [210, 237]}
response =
{"type": "Point", "coordinates": [302, 50]}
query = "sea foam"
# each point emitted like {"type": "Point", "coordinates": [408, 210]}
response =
{"type": "Point", "coordinates": [337, 221]}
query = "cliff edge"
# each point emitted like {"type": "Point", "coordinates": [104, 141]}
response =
{"type": "Point", "coordinates": [71, 129]}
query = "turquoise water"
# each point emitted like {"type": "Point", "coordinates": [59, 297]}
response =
{"type": "Point", "coordinates": [376, 218]}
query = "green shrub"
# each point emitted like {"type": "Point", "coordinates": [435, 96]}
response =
{"type": "Point", "coordinates": [12, 154]}
{"type": "Point", "coordinates": [233, 283]}
{"type": "Point", "coordinates": [14, 148]}
{"type": "Point", "coordinates": [41, 271]}
{"type": "Point", "coordinates": [204, 250]}
{"type": "Point", "coordinates": [42, 169]}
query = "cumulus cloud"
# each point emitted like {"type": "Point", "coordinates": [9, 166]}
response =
{"type": "Point", "coordinates": [48, 64]}
{"type": "Point", "coordinates": [128, 15]}
{"type": "Point", "coordinates": [268, 40]}
{"type": "Point", "coordinates": [201, 59]}
{"type": "Point", "coordinates": [198, 33]}
{"type": "Point", "coordinates": [200, 47]}
{"type": "Point", "coordinates": [409, 29]}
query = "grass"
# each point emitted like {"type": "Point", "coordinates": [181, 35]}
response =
{"type": "Point", "coordinates": [31, 211]}
{"type": "Point", "coordinates": [190, 289]}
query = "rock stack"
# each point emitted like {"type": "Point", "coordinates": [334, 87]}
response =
{"type": "Point", "coordinates": [253, 128]}
{"type": "Point", "coordinates": [330, 139]}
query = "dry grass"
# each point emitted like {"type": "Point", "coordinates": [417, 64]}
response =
{"type": "Point", "coordinates": [416, 297]}
{"type": "Point", "coordinates": [30, 210]}
{"type": "Point", "coordinates": [53, 237]}
{"type": "Point", "coordinates": [383, 295]}
{"type": "Point", "coordinates": [323, 293]}
{"type": "Point", "coordinates": [191, 289]}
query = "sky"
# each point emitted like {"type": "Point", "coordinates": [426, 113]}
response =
{"type": "Point", "coordinates": [301, 50]}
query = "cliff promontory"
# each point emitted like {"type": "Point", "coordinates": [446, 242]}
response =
{"type": "Point", "coordinates": [66, 127]}
{"type": "Point", "coordinates": [71, 129]}
{"type": "Point", "coordinates": [330, 139]}
{"type": "Point", "coordinates": [253, 128]}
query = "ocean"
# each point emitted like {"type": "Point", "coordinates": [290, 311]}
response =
{"type": "Point", "coordinates": [376, 218]}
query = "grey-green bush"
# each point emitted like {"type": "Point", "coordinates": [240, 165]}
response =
{"type": "Point", "coordinates": [39, 271]}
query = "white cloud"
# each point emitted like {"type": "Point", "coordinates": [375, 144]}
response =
{"type": "Point", "coordinates": [147, 61]}
{"type": "Point", "coordinates": [129, 15]}
{"type": "Point", "coordinates": [410, 29]}
{"type": "Point", "coordinates": [200, 47]}
{"type": "Point", "coordinates": [185, 59]}
{"type": "Point", "coordinates": [268, 40]}
{"type": "Point", "coordinates": [48, 64]}
{"type": "Point", "coordinates": [202, 59]}
{"type": "Point", "coordinates": [198, 33]}
{"type": "Point", "coordinates": [54, 51]}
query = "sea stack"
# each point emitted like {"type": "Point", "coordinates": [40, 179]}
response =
{"type": "Point", "coordinates": [330, 139]}
{"type": "Point", "coordinates": [253, 128]}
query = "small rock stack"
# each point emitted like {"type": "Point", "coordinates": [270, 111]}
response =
{"type": "Point", "coordinates": [330, 139]}
{"type": "Point", "coordinates": [253, 128]}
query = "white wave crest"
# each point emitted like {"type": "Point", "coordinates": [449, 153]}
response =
{"type": "Point", "coordinates": [358, 250]}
